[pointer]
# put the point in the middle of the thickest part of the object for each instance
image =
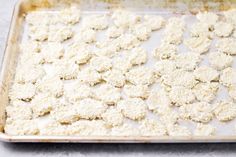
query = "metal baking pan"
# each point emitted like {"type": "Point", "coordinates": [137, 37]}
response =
{"type": "Point", "coordinates": [12, 51]}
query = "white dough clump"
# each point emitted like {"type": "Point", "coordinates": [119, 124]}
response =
{"type": "Point", "coordinates": [206, 91]}
{"type": "Point", "coordinates": [181, 95]}
{"type": "Point", "coordinates": [175, 23]}
{"type": "Point", "coordinates": [164, 67]}
{"type": "Point", "coordinates": [90, 108]}
{"type": "Point", "coordinates": [136, 91]}
{"type": "Point", "coordinates": [178, 130]}
{"type": "Point", "coordinates": [208, 18]}
{"type": "Point", "coordinates": [107, 48]}
{"type": "Point", "coordinates": [198, 112]}
{"type": "Point", "coordinates": [21, 127]}
{"type": "Point", "coordinates": [70, 15]}
{"type": "Point", "coordinates": [90, 76]}
{"type": "Point", "coordinates": [52, 85]}
{"type": "Point", "coordinates": [19, 112]}
{"type": "Point", "coordinates": [125, 130]}
{"type": "Point", "coordinates": [114, 32]}
{"type": "Point", "coordinates": [133, 108]}
{"type": "Point", "coordinates": [65, 114]}
{"type": "Point", "coordinates": [140, 75]}
{"type": "Point", "coordinates": [33, 17]}
{"type": "Point", "coordinates": [128, 41]}
{"type": "Point", "coordinates": [43, 104]}
{"type": "Point", "coordinates": [223, 29]}
{"type": "Point", "coordinates": [121, 64]}
{"type": "Point", "coordinates": [168, 116]}
{"type": "Point", "coordinates": [65, 69]}
{"type": "Point", "coordinates": [108, 94]}
{"type": "Point", "coordinates": [38, 33]}
{"type": "Point", "coordinates": [198, 44]}
{"type": "Point", "coordinates": [52, 51]}
{"type": "Point", "coordinates": [138, 56]}
{"type": "Point", "coordinates": [77, 91]}
{"type": "Point", "coordinates": [124, 19]}
{"type": "Point", "coordinates": [228, 77]}
{"type": "Point", "coordinates": [113, 117]}
{"type": "Point", "coordinates": [59, 33]}
{"type": "Point", "coordinates": [151, 127]}
{"type": "Point", "coordinates": [206, 74]}
{"type": "Point", "coordinates": [86, 35]}
{"type": "Point", "coordinates": [165, 51]}
{"type": "Point", "coordinates": [29, 73]}
{"type": "Point", "coordinates": [96, 22]}
{"type": "Point", "coordinates": [101, 64]}
{"type": "Point", "coordinates": [23, 92]}
{"type": "Point", "coordinates": [227, 45]}
{"type": "Point", "coordinates": [225, 110]}
{"type": "Point", "coordinates": [141, 31]}
{"type": "Point", "coordinates": [204, 130]}
{"type": "Point", "coordinates": [187, 61]}
{"type": "Point", "coordinates": [155, 22]}
{"type": "Point", "coordinates": [114, 77]}
{"type": "Point", "coordinates": [53, 128]}
{"type": "Point", "coordinates": [201, 29]}
{"type": "Point", "coordinates": [220, 60]}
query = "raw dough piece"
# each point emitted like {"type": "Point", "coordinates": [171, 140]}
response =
{"type": "Point", "coordinates": [220, 60]}
{"type": "Point", "coordinates": [23, 92]}
{"type": "Point", "coordinates": [223, 29]}
{"type": "Point", "coordinates": [52, 85]}
{"type": "Point", "coordinates": [198, 112]}
{"type": "Point", "coordinates": [107, 48]}
{"type": "Point", "coordinates": [21, 127]}
{"type": "Point", "coordinates": [206, 74]}
{"type": "Point", "coordinates": [114, 32]}
{"type": "Point", "coordinates": [206, 91]}
{"type": "Point", "coordinates": [151, 127]}
{"type": "Point", "coordinates": [187, 61]}
{"type": "Point", "coordinates": [96, 22]}
{"type": "Point", "coordinates": [155, 22]}
{"type": "Point", "coordinates": [128, 41]}
{"type": "Point", "coordinates": [228, 77]}
{"type": "Point", "coordinates": [181, 95]}
{"type": "Point", "coordinates": [114, 77]}
{"type": "Point", "coordinates": [178, 130]}
{"type": "Point", "coordinates": [165, 51]}
{"type": "Point", "coordinates": [125, 130]}
{"type": "Point", "coordinates": [59, 33]}
{"type": "Point", "coordinates": [227, 45]}
{"type": "Point", "coordinates": [208, 18]}
{"type": "Point", "coordinates": [101, 64]}
{"type": "Point", "coordinates": [173, 36]}
{"type": "Point", "coordinates": [108, 94]}
{"type": "Point", "coordinates": [90, 108]}
{"type": "Point", "coordinates": [201, 30]}
{"type": "Point", "coordinates": [198, 44]}
{"type": "Point", "coordinates": [164, 67]}
{"type": "Point", "coordinates": [52, 51]}
{"type": "Point", "coordinates": [141, 75]}
{"type": "Point", "coordinates": [133, 108]}
{"type": "Point", "coordinates": [175, 23]}
{"type": "Point", "coordinates": [138, 56]}
{"type": "Point", "coordinates": [42, 104]}
{"type": "Point", "coordinates": [121, 64]}
{"type": "Point", "coordinates": [70, 15]}
{"type": "Point", "coordinates": [53, 128]}
{"type": "Point", "coordinates": [167, 115]}
{"type": "Point", "coordinates": [90, 76]}
{"type": "Point", "coordinates": [113, 117]}
{"type": "Point", "coordinates": [38, 33]}
{"type": "Point", "coordinates": [136, 91]}
{"type": "Point", "coordinates": [225, 110]}
{"type": "Point", "coordinates": [19, 112]}
{"type": "Point", "coordinates": [86, 35]}
{"type": "Point", "coordinates": [204, 130]}
{"type": "Point", "coordinates": [142, 31]}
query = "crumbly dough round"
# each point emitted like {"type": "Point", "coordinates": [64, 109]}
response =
{"type": "Point", "coordinates": [108, 94]}
{"type": "Point", "coordinates": [38, 32]}
{"type": "Point", "coordinates": [206, 74]}
{"type": "Point", "coordinates": [101, 64]}
{"type": "Point", "coordinates": [151, 127]}
{"type": "Point", "coordinates": [206, 91]}
{"type": "Point", "coordinates": [90, 76]}
{"type": "Point", "coordinates": [125, 130]}
{"type": "Point", "coordinates": [173, 36]}
{"type": "Point", "coordinates": [141, 75]}
{"type": "Point", "coordinates": [204, 130]}
{"type": "Point", "coordinates": [108, 48]}
{"type": "Point", "coordinates": [19, 112]}
{"type": "Point", "coordinates": [208, 18]}
{"type": "Point", "coordinates": [227, 45]}
{"type": "Point", "coordinates": [199, 44]}
{"type": "Point", "coordinates": [198, 112]}
{"type": "Point", "coordinates": [138, 56]}
{"type": "Point", "coordinates": [181, 95]}
{"type": "Point", "coordinates": [165, 51]}
{"type": "Point", "coordinates": [175, 23]}
{"type": "Point", "coordinates": [86, 35]}
{"type": "Point", "coordinates": [114, 32]}
{"type": "Point", "coordinates": [223, 29]}
{"type": "Point", "coordinates": [96, 22]}
{"type": "Point", "coordinates": [121, 64]}
{"type": "Point", "coordinates": [23, 92]}
{"type": "Point", "coordinates": [133, 108]}
{"type": "Point", "coordinates": [113, 117]}
{"type": "Point", "coordinates": [201, 29]}
{"type": "Point", "coordinates": [164, 67]}
{"type": "Point", "coordinates": [225, 110]}
{"type": "Point", "coordinates": [220, 60]}
{"type": "Point", "coordinates": [52, 85]}
{"type": "Point", "coordinates": [53, 127]}
{"type": "Point", "coordinates": [114, 77]}
{"type": "Point", "coordinates": [155, 22]}
{"type": "Point", "coordinates": [52, 51]}
{"type": "Point", "coordinates": [90, 108]}
{"type": "Point", "coordinates": [228, 77]}
{"type": "Point", "coordinates": [59, 33]}
{"type": "Point", "coordinates": [167, 115]}
{"type": "Point", "coordinates": [128, 41]}
{"type": "Point", "coordinates": [142, 31]}
{"type": "Point", "coordinates": [136, 91]}
{"type": "Point", "coordinates": [70, 15]}
{"type": "Point", "coordinates": [178, 130]}
{"type": "Point", "coordinates": [187, 61]}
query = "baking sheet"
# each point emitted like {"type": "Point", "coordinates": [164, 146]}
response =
{"type": "Point", "coordinates": [224, 131]}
